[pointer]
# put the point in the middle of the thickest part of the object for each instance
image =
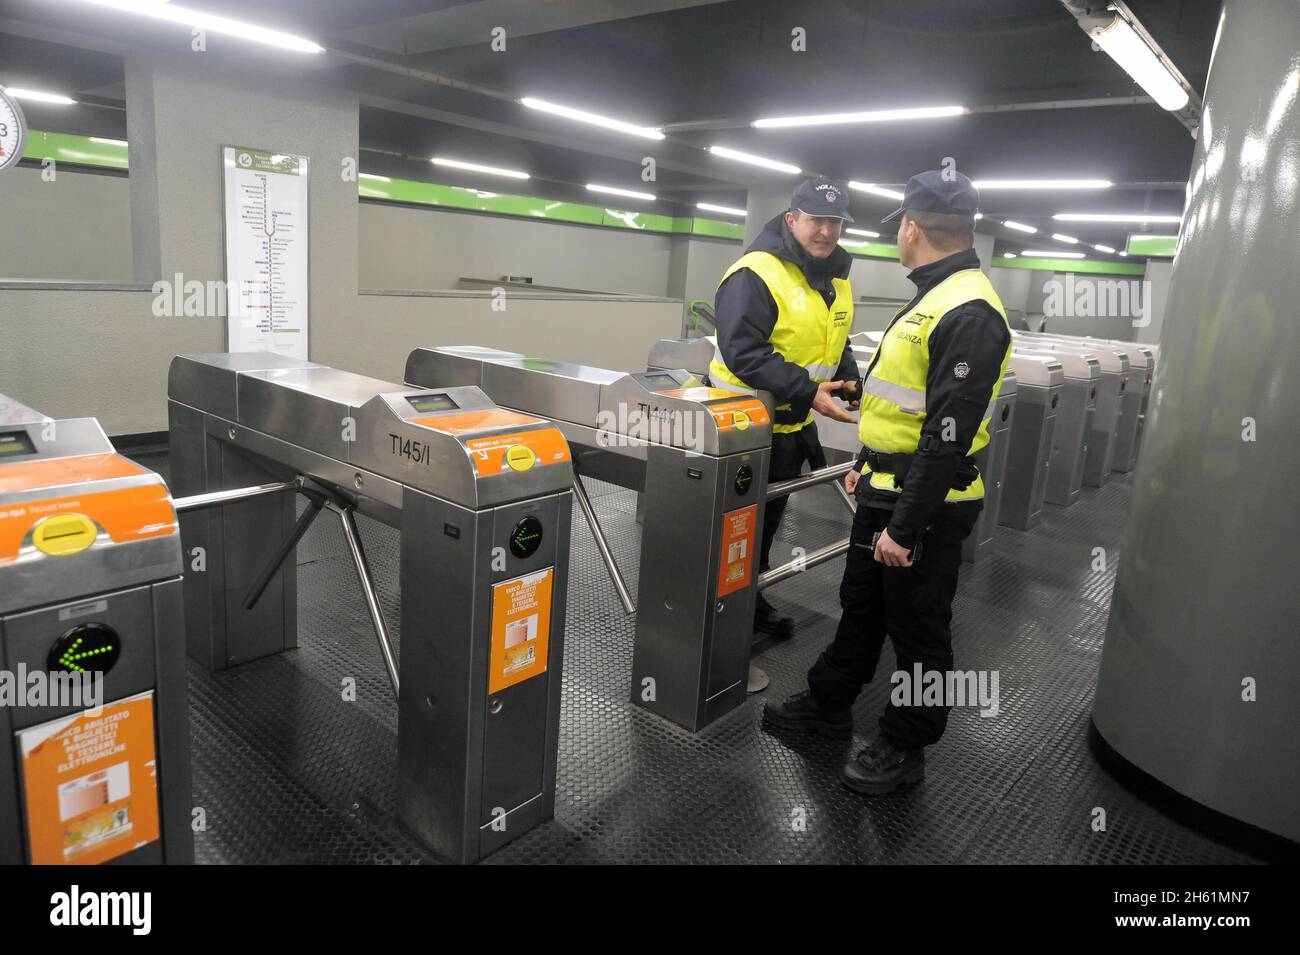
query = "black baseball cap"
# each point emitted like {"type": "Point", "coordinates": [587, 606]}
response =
{"type": "Point", "coordinates": [934, 190]}
{"type": "Point", "coordinates": [821, 197]}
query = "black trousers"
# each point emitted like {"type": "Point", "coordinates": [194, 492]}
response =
{"type": "Point", "coordinates": [910, 605]}
{"type": "Point", "coordinates": [790, 449]}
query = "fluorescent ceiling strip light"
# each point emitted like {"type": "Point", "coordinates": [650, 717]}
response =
{"type": "Point", "coordinates": [1042, 183]}
{"type": "Point", "coordinates": [1065, 238]}
{"type": "Point", "coordinates": [725, 210]}
{"type": "Point", "coordinates": [870, 235]}
{"type": "Point", "coordinates": [615, 191]}
{"type": "Point", "coordinates": [36, 96]}
{"type": "Point", "coordinates": [1052, 254]}
{"type": "Point", "coordinates": [867, 116]}
{"type": "Point", "coordinates": [212, 24]}
{"type": "Point", "coordinates": [1114, 217]}
{"type": "Point", "coordinates": [1008, 255]}
{"type": "Point", "coordinates": [108, 142]}
{"type": "Point", "coordinates": [1104, 248]}
{"type": "Point", "coordinates": [594, 119]}
{"type": "Point", "coordinates": [475, 167]}
{"type": "Point", "coordinates": [1019, 226]}
{"type": "Point", "coordinates": [371, 175]}
{"type": "Point", "coordinates": [738, 156]}
{"type": "Point", "coordinates": [875, 190]}
{"type": "Point", "coordinates": [1122, 43]}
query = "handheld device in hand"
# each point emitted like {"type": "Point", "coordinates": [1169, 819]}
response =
{"type": "Point", "coordinates": [914, 556]}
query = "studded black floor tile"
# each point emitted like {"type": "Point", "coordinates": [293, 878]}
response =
{"type": "Point", "coordinates": [287, 770]}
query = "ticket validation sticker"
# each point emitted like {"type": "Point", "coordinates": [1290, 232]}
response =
{"type": "Point", "coordinates": [736, 563]}
{"type": "Point", "coordinates": [521, 628]}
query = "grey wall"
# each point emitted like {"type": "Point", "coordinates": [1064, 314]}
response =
{"type": "Point", "coordinates": [76, 227]}
{"type": "Point", "coordinates": [1159, 272]}
{"type": "Point", "coordinates": [407, 248]}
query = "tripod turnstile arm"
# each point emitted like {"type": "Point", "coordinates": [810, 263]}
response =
{"type": "Point", "coordinates": [602, 545]}
{"type": "Point", "coordinates": [353, 535]}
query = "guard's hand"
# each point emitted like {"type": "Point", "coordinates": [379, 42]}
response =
{"type": "Point", "coordinates": [851, 481]}
{"type": "Point", "coordinates": [825, 404]}
{"type": "Point", "coordinates": [891, 554]}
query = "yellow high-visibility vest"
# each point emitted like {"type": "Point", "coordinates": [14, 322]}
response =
{"type": "Point", "coordinates": [893, 399]}
{"type": "Point", "coordinates": [808, 332]}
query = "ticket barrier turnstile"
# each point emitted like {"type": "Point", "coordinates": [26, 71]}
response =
{"type": "Point", "coordinates": [1074, 422]}
{"type": "Point", "coordinates": [1103, 441]}
{"type": "Point", "coordinates": [1040, 382]}
{"type": "Point", "coordinates": [481, 498]}
{"type": "Point", "coordinates": [1133, 403]}
{"type": "Point", "coordinates": [700, 455]}
{"type": "Point", "coordinates": [90, 583]}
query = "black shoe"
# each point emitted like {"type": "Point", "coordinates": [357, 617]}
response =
{"type": "Point", "coordinates": [883, 767]}
{"type": "Point", "coordinates": [769, 623]}
{"type": "Point", "coordinates": [803, 712]}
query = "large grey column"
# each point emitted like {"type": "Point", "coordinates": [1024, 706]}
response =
{"type": "Point", "coordinates": [763, 202]}
{"type": "Point", "coordinates": [1206, 600]}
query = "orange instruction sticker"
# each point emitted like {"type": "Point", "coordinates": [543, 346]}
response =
{"type": "Point", "coordinates": [465, 421]}
{"type": "Point", "coordinates": [131, 513]}
{"type": "Point", "coordinates": [91, 784]}
{"type": "Point", "coordinates": [736, 560]}
{"type": "Point", "coordinates": [742, 414]}
{"type": "Point", "coordinates": [521, 628]}
{"type": "Point", "coordinates": [493, 455]}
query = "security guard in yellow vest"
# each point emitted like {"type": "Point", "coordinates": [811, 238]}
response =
{"type": "Point", "coordinates": [928, 395]}
{"type": "Point", "coordinates": [784, 312]}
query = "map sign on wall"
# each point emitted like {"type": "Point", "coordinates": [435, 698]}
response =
{"type": "Point", "coordinates": [266, 251]}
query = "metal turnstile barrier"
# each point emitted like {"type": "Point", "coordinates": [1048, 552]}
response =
{"type": "Point", "coordinates": [1074, 421]}
{"type": "Point", "coordinates": [1040, 381]}
{"type": "Point", "coordinates": [1103, 441]}
{"type": "Point", "coordinates": [1133, 402]}
{"type": "Point", "coordinates": [700, 455]}
{"type": "Point", "coordinates": [481, 497]}
{"type": "Point", "coordinates": [95, 763]}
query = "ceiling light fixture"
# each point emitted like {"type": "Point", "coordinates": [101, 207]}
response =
{"type": "Point", "coordinates": [615, 191]}
{"type": "Point", "coordinates": [868, 116]}
{"type": "Point", "coordinates": [475, 167]}
{"type": "Point", "coordinates": [1019, 226]}
{"type": "Point", "coordinates": [875, 190]}
{"type": "Point", "coordinates": [1042, 183]}
{"type": "Point", "coordinates": [725, 210]}
{"type": "Point", "coordinates": [728, 153]}
{"type": "Point", "coordinates": [868, 234]}
{"type": "Point", "coordinates": [1104, 248]}
{"type": "Point", "coordinates": [1065, 238]}
{"type": "Point", "coordinates": [594, 119]}
{"type": "Point", "coordinates": [36, 96]}
{"type": "Point", "coordinates": [1115, 217]}
{"type": "Point", "coordinates": [212, 24]}
{"type": "Point", "coordinates": [1122, 43]}
{"type": "Point", "coordinates": [1052, 254]}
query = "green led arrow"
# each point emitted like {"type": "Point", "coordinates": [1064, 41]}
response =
{"type": "Point", "coordinates": [70, 656]}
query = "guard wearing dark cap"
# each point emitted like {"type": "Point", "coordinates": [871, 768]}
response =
{"type": "Point", "coordinates": [784, 313]}
{"type": "Point", "coordinates": [928, 395]}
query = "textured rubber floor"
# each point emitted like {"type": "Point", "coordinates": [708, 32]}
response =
{"type": "Point", "coordinates": [287, 771]}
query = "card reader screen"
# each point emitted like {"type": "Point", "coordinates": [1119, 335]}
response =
{"type": "Point", "coordinates": [14, 443]}
{"type": "Point", "coordinates": [425, 403]}
{"type": "Point", "coordinates": [656, 382]}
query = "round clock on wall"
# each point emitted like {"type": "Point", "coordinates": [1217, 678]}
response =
{"type": "Point", "coordinates": [13, 131]}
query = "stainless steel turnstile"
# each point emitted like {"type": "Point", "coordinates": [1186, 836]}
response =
{"type": "Point", "coordinates": [1074, 422]}
{"type": "Point", "coordinates": [1134, 400]}
{"type": "Point", "coordinates": [991, 459]}
{"type": "Point", "coordinates": [97, 767]}
{"type": "Point", "coordinates": [481, 497]}
{"type": "Point", "coordinates": [701, 457]}
{"type": "Point", "coordinates": [1040, 381]}
{"type": "Point", "coordinates": [1103, 441]}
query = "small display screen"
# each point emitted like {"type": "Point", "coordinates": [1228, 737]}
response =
{"type": "Point", "coordinates": [14, 443]}
{"type": "Point", "coordinates": [659, 381]}
{"type": "Point", "coordinates": [426, 403]}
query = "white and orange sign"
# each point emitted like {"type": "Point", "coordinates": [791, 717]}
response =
{"type": "Point", "coordinates": [736, 563]}
{"type": "Point", "coordinates": [90, 783]}
{"type": "Point", "coordinates": [521, 628]}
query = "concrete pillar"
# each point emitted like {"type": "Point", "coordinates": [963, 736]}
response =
{"type": "Point", "coordinates": [1197, 681]}
{"type": "Point", "coordinates": [180, 112]}
{"type": "Point", "coordinates": [763, 202]}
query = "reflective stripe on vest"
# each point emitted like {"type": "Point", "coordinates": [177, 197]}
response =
{"type": "Point", "coordinates": [893, 404]}
{"type": "Point", "coordinates": [807, 333]}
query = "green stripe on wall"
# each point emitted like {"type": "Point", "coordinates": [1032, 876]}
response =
{"type": "Point", "coordinates": [81, 150]}
{"type": "Point", "coordinates": [1071, 265]}
{"type": "Point", "coordinates": [1158, 245]}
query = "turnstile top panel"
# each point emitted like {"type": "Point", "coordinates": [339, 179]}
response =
{"type": "Point", "coordinates": [693, 354]}
{"type": "Point", "coordinates": [1114, 361]}
{"type": "Point", "coordinates": [77, 518]}
{"type": "Point", "coordinates": [1073, 364]}
{"type": "Point", "coordinates": [451, 442]}
{"type": "Point", "coordinates": [664, 406]}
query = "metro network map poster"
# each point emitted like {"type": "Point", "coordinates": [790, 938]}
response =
{"type": "Point", "coordinates": [266, 251]}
